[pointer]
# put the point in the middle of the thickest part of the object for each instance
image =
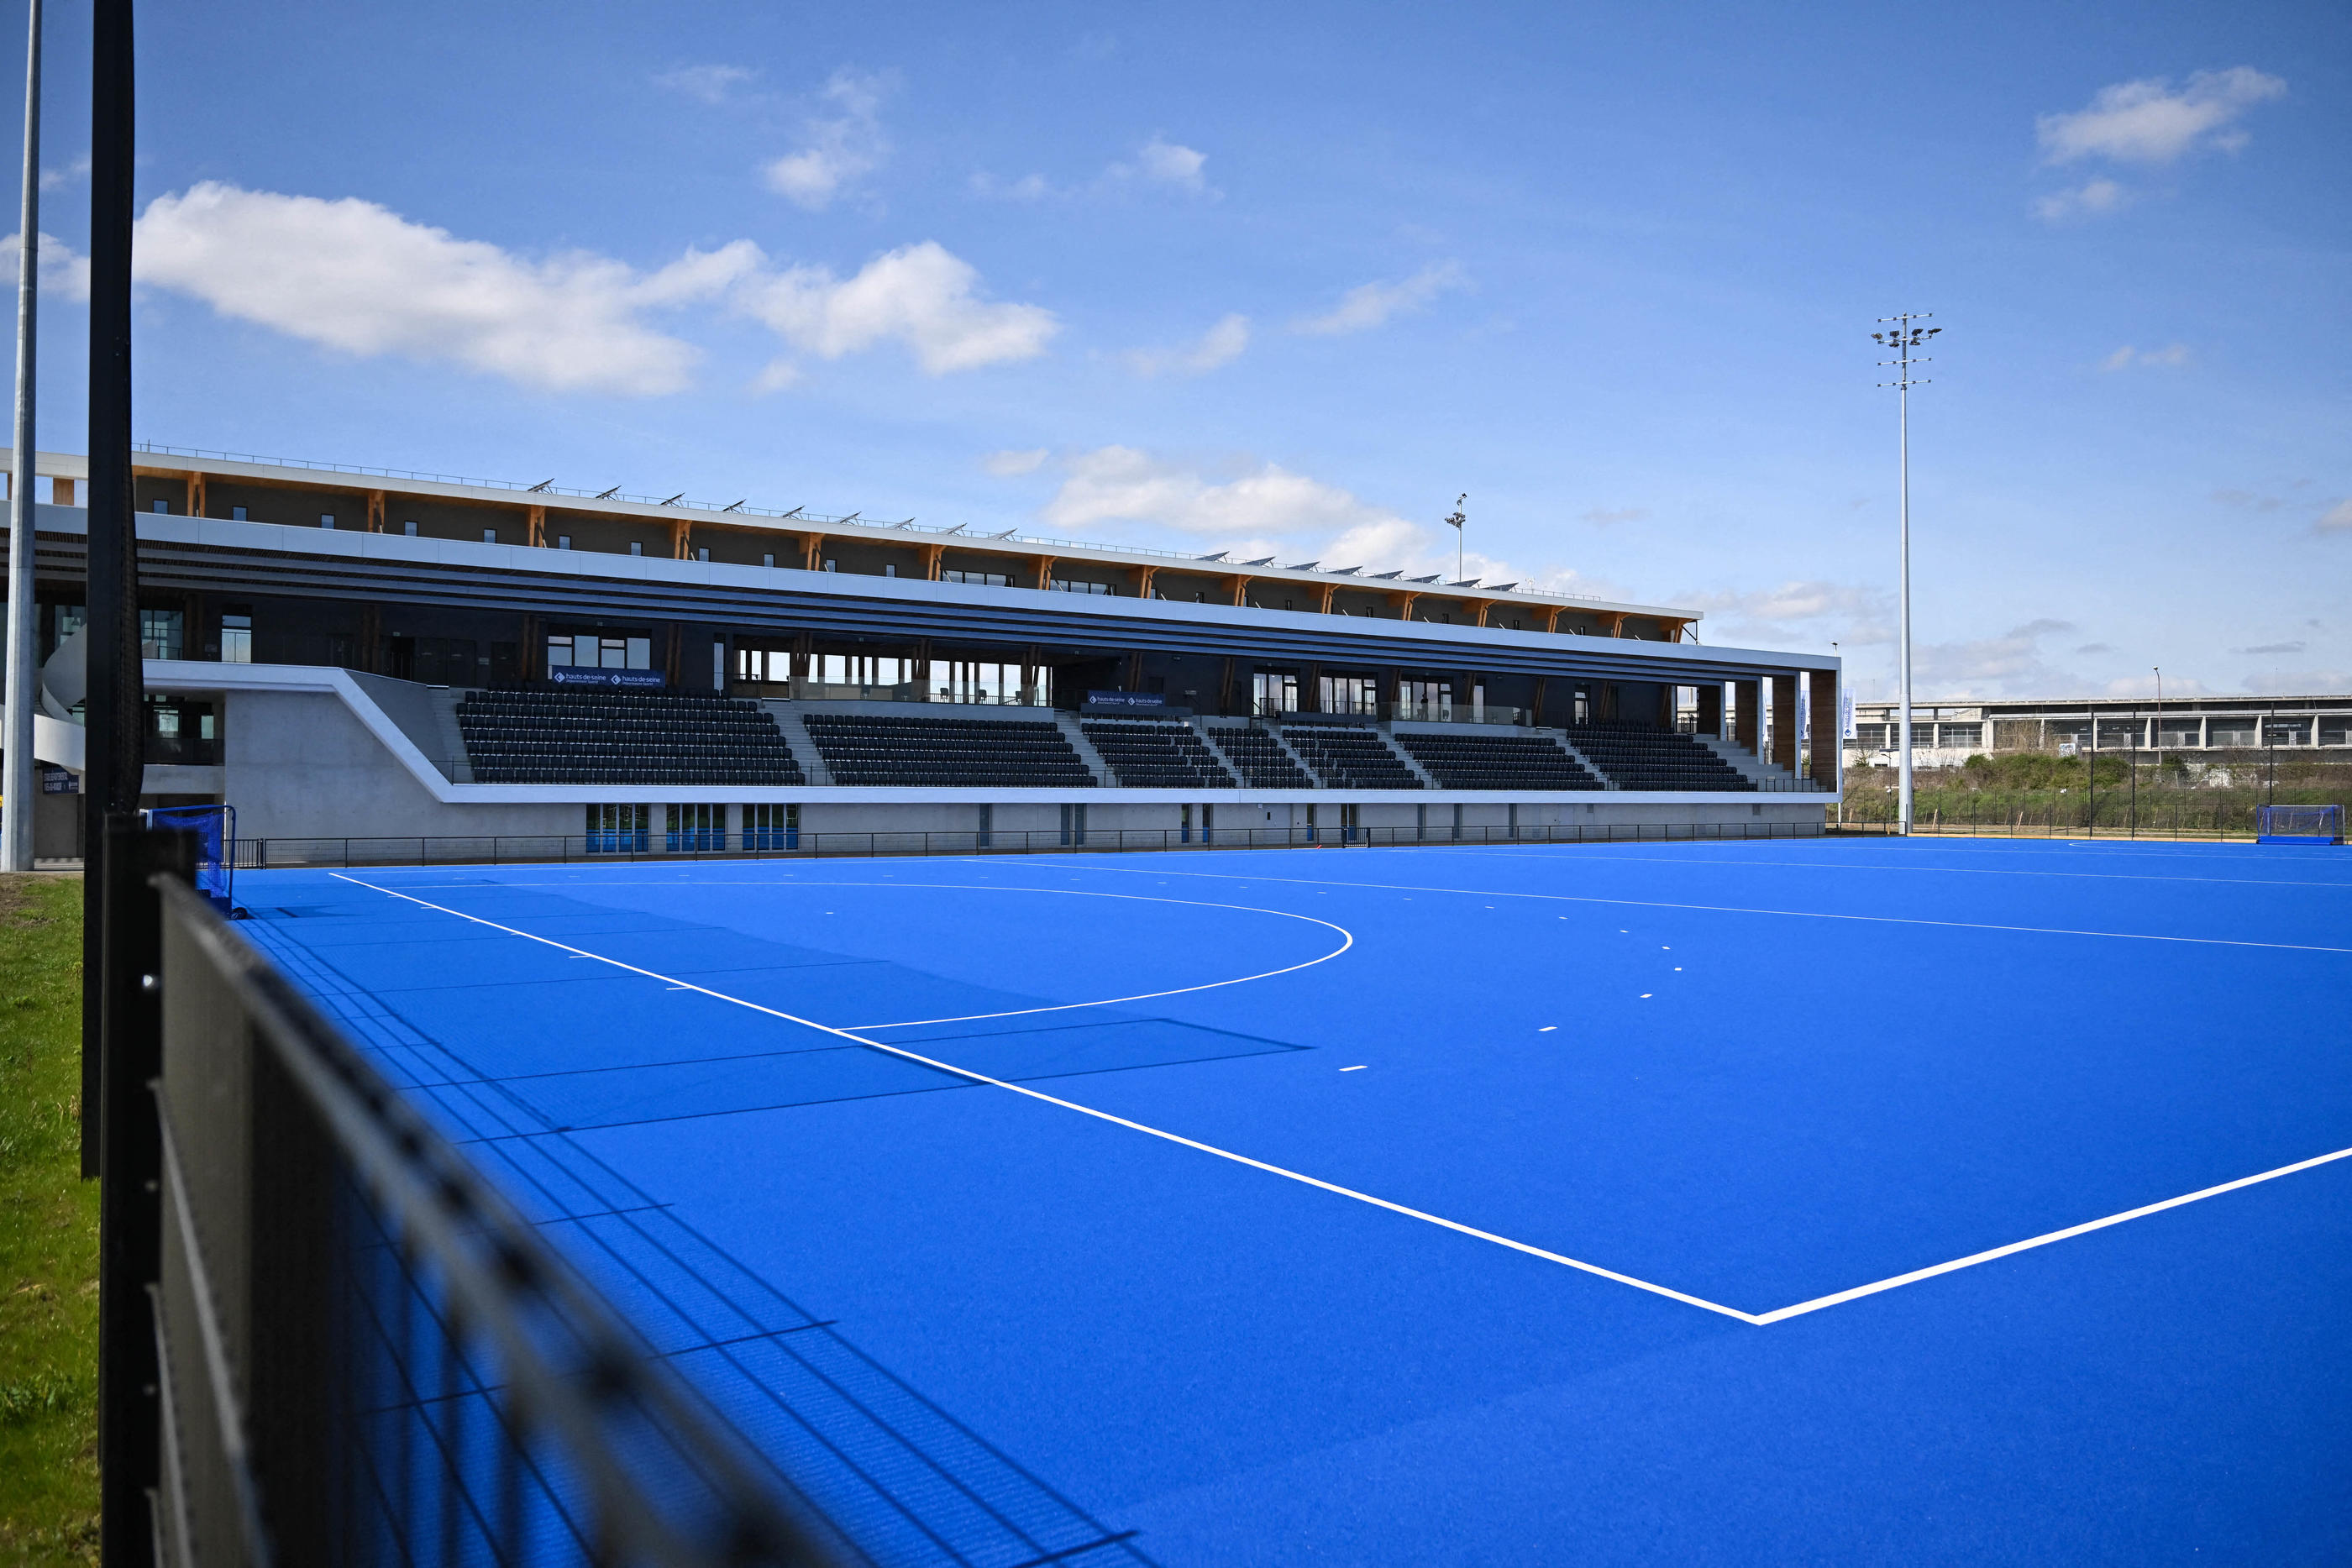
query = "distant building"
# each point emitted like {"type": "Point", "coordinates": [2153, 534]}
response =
{"type": "Point", "coordinates": [1946, 734]}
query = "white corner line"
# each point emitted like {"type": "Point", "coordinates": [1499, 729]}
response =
{"type": "Point", "coordinates": [1758, 1320]}
{"type": "Point", "coordinates": [1782, 1314]}
{"type": "Point", "coordinates": [1176, 1138]}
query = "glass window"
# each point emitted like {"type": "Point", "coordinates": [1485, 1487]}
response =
{"type": "Point", "coordinates": [618, 830]}
{"type": "Point", "coordinates": [236, 514]}
{"type": "Point", "coordinates": [326, 519]}
{"type": "Point", "coordinates": [641, 653]}
{"type": "Point", "coordinates": [1350, 694]}
{"type": "Point", "coordinates": [831, 566]}
{"type": "Point", "coordinates": [703, 553]}
{"type": "Point", "coordinates": [489, 536]}
{"type": "Point", "coordinates": [636, 547]}
{"type": "Point", "coordinates": [236, 639]}
{"type": "Point", "coordinates": [564, 541]}
{"type": "Point", "coordinates": [1273, 691]}
{"type": "Point", "coordinates": [559, 653]}
{"type": "Point", "coordinates": [767, 559]}
{"type": "Point", "coordinates": [889, 569]}
{"type": "Point", "coordinates": [1072, 585]}
{"type": "Point", "coordinates": [164, 507]}
{"type": "Point", "coordinates": [409, 527]}
{"type": "Point", "coordinates": [159, 634]}
{"type": "Point", "coordinates": [695, 826]}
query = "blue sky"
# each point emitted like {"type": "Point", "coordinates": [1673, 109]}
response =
{"type": "Point", "coordinates": [1296, 276]}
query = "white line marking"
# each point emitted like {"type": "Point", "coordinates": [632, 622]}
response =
{"type": "Point", "coordinates": [1789, 914]}
{"type": "Point", "coordinates": [1453, 1225]}
{"type": "Point", "coordinates": [1357, 1068]}
{"type": "Point", "coordinates": [1713, 863]}
{"type": "Point", "coordinates": [1759, 1320]}
{"type": "Point", "coordinates": [1783, 1313]}
{"type": "Point", "coordinates": [1346, 937]}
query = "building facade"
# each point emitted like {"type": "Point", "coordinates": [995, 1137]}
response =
{"type": "Point", "coordinates": [324, 648]}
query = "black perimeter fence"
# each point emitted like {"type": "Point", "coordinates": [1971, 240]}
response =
{"type": "Point", "coordinates": [287, 854]}
{"type": "Point", "coordinates": [329, 1339]}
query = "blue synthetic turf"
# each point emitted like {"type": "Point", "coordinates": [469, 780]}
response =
{"type": "Point", "coordinates": [1758, 1073]}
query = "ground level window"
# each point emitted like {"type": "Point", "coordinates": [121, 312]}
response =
{"type": "Point", "coordinates": [618, 830]}
{"type": "Point", "coordinates": [773, 827]}
{"type": "Point", "coordinates": [697, 827]}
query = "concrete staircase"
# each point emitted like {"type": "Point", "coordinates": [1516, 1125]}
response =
{"type": "Point", "coordinates": [1749, 764]}
{"type": "Point", "coordinates": [1428, 780]}
{"type": "Point", "coordinates": [1560, 738]}
{"type": "Point", "coordinates": [1067, 723]}
{"type": "Point", "coordinates": [1200, 732]}
{"type": "Point", "coordinates": [796, 736]}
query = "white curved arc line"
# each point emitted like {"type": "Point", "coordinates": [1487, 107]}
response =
{"type": "Point", "coordinates": [1347, 940]}
{"type": "Point", "coordinates": [1346, 937]}
{"type": "Point", "coordinates": [1736, 909]}
{"type": "Point", "coordinates": [1176, 1138]}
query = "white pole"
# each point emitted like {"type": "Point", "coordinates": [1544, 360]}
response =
{"type": "Point", "coordinates": [1903, 809]}
{"type": "Point", "coordinates": [17, 795]}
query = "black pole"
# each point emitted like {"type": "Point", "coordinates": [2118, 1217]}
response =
{"type": "Point", "coordinates": [121, 938]}
{"type": "Point", "coordinates": [129, 1205]}
{"type": "Point", "coordinates": [112, 709]}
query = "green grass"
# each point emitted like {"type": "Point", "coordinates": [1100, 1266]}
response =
{"type": "Point", "coordinates": [48, 1235]}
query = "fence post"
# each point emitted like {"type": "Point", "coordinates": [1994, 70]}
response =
{"type": "Point", "coordinates": [130, 1171]}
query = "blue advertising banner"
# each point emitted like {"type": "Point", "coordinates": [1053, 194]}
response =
{"type": "Point", "coordinates": [1144, 702]}
{"type": "Point", "coordinates": [610, 680]}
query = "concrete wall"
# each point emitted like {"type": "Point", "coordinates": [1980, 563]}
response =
{"type": "Point", "coordinates": [299, 765]}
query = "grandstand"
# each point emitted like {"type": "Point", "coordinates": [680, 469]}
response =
{"type": "Point", "coordinates": [347, 653]}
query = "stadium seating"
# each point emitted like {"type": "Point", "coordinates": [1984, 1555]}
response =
{"type": "Point", "coordinates": [1156, 755]}
{"type": "Point", "coordinates": [1477, 760]}
{"type": "Point", "coordinates": [1349, 757]}
{"type": "Point", "coordinates": [861, 749]}
{"type": "Point", "coordinates": [1259, 758]}
{"type": "Point", "coordinates": [1634, 756]}
{"type": "Point", "coordinates": [621, 738]}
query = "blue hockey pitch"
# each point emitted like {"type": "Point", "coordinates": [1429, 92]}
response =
{"type": "Point", "coordinates": [1819, 1201]}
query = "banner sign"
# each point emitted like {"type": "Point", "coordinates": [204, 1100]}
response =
{"type": "Point", "coordinates": [60, 781]}
{"type": "Point", "coordinates": [609, 680]}
{"type": "Point", "coordinates": [1142, 701]}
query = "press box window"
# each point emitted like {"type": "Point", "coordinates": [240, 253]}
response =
{"type": "Point", "coordinates": [236, 638]}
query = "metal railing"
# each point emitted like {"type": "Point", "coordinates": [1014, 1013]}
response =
{"type": "Point", "coordinates": [285, 854]}
{"type": "Point", "coordinates": [363, 1354]}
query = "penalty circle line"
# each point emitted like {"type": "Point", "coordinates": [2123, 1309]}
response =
{"type": "Point", "coordinates": [1176, 1138]}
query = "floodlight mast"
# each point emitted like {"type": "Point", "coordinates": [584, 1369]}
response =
{"type": "Point", "coordinates": [1903, 340]}
{"type": "Point", "coordinates": [18, 799]}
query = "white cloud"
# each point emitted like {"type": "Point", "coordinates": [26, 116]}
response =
{"type": "Point", "coordinates": [2125, 358]}
{"type": "Point", "coordinates": [1220, 345]}
{"type": "Point", "coordinates": [2092, 198]}
{"type": "Point", "coordinates": [2268, 649]}
{"type": "Point", "coordinates": [1253, 509]}
{"type": "Point", "coordinates": [1369, 304]}
{"type": "Point", "coordinates": [64, 272]}
{"type": "Point", "coordinates": [2295, 683]}
{"type": "Point", "coordinates": [1011, 464]}
{"type": "Point", "coordinates": [1028, 188]}
{"type": "Point", "coordinates": [2337, 518]}
{"type": "Point", "coordinates": [839, 149]}
{"type": "Point", "coordinates": [1166, 162]}
{"type": "Point", "coordinates": [52, 179]}
{"type": "Point", "coordinates": [1603, 517]}
{"type": "Point", "coordinates": [2010, 665]}
{"type": "Point", "coordinates": [358, 277]}
{"type": "Point", "coordinates": [711, 84]}
{"type": "Point", "coordinates": [2146, 121]}
{"type": "Point", "coordinates": [1853, 615]}
{"type": "Point", "coordinates": [1173, 164]}
{"type": "Point", "coordinates": [921, 296]}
